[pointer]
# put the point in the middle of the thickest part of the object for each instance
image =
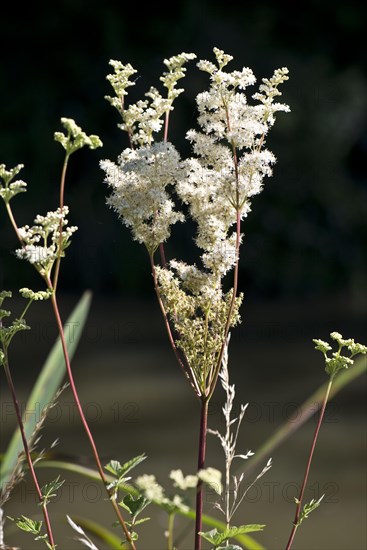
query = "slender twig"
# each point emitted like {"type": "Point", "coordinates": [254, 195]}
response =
{"type": "Point", "coordinates": [13, 222]}
{"type": "Point", "coordinates": [305, 479]}
{"type": "Point", "coordinates": [27, 451]}
{"type": "Point", "coordinates": [166, 124]}
{"type": "Point", "coordinates": [62, 193]}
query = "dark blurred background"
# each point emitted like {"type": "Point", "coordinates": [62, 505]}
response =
{"type": "Point", "coordinates": [303, 264]}
{"type": "Point", "coordinates": [307, 232]}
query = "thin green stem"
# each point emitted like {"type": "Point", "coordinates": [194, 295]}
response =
{"type": "Point", "coordinates": [27, 451]}
{"type": "Point", "coordinates": [308, 466]}
{"type": "Point", "coordinates": [201, 465]}
{"type": "Point", "coordinates": [13, 222]}
{"type": "Point", "coordinates": [171, 521]}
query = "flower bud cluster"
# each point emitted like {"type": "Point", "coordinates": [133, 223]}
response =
{"type": "Point", "coordinates": [338, 361]}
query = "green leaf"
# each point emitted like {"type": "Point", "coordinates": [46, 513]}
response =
{"type": "Point", "coordinates": [49, 490]}
{"type": "Point", "coordinates": [308, 508]}
{"type": "Point", "coordinates": [47, 384]}
{"type": "Point", "coordinates": [134, 506]}
{"type": "Point", "coordinates": [28, 525]}
{"type": "Point", "coordinates": [217, 537]}
{"type": "Point", "coordinates": [211, 536]}
{"type": "Point", "coordinates": [115, 467]}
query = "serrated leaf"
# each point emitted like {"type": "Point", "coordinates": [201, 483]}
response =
{"type": "Point", "coordinates": [216, 537]}
{"type": "Point", "coordinates": [210, 536]}
{"type": "Point", "coordinates": [142, 520]}
{"type": "Point", "coordinates": [134, 506]}
{"type": "Point", "coordinates": [113, 467]}
{"type": "Point", "coordinates": [120, 471]}
{"type": "Point", "coordinates": [28, 525]}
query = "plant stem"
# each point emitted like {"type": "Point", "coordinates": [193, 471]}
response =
{"type": "Point", "coordinates": [82, 416]}
{"type": "Point", "coordinates": [187, 370]}
{"type": "Point", "coordinates": [214, 379]}
{"type": "Point", "coordinates": [62, 193]}
{"type": "Point", "coordinates": [305, 479]}
{"type": "Point", "coordinates": [171, 520]}
{"type": "Point", "coordinates": [166, 124]}
{"type": "Point", "coordinates": [27, 451]}
{"type": "Point", "coordinates": [201, 465]}
{"type": "Point", "coordinates": [13, 222]}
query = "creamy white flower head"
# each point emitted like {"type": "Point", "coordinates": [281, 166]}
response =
{"type": "Point", "coordinates": [46, 231]}
{"type": "Point", "coordinates": [36, 254]}
{"type": "Point", "coordinates": [149, 486]}
{"type": "Point", "coordinates": [139, 191]}
{"type": "Point", "coordinates": [183, 482]}
{"type": "Point", "coordinates": [212, 477]}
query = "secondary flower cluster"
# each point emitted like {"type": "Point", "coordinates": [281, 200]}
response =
{"type": "Point", "coordinates": [337, 362]}
{"type": "Point", "coordinates": [43, 243]}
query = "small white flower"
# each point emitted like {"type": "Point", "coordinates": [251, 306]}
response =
{"type": "Point", "coordinates": [212, 477]}
{"type": "Point", "coordinates": [183, 482]}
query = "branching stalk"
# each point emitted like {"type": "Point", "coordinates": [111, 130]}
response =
{"type": "Point", "coordinates": [308, 466]}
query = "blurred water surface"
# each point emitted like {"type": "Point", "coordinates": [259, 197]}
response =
{"type": "Point", "coordinates": [137, 400]}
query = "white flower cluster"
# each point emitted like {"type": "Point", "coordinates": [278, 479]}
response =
{"type": "Point", "coordinates": [32, 295]}
{"type": "Point", "coordinates": [220, 182]}
{"type": "Point", "coordinates": [42, 243]}
{"type": "Point", "coordinates": [139, 193]}
{"type": "Point", "coordinates": [216, 184]}
{"type": "Point", "coordinates": [154, 492]}
{"type": "Point", "coordinates": [146, 117]}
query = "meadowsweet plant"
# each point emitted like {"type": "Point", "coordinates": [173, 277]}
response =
{"type": "Point", "coordinates": [152, 188]}
{"type": "Point", "coordinates": [150, 182]}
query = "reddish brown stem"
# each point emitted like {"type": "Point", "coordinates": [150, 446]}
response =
{"type": "Point", "coordinates": [83, 419]}
{"type": "Point", "coordinates": [165, 137]}
{"type": "Point", "coordinates": [214, 379]}
{"type": "Point", "coordinates": [305, 479]}
{"type": "Point", "coordinates": [201, 465]}
{"type": "Point", "coordinates": [62, 192]}
{"type": "Point", "coordinates": [27, 452]}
